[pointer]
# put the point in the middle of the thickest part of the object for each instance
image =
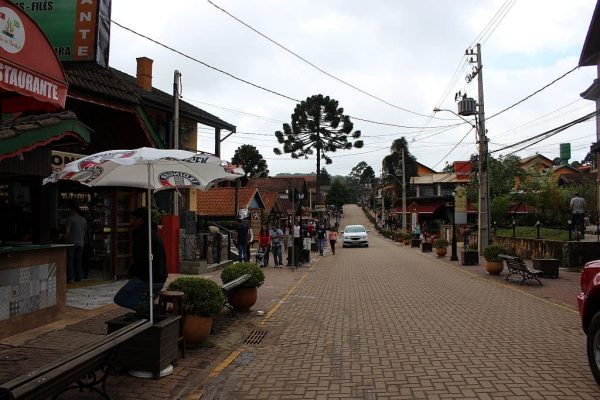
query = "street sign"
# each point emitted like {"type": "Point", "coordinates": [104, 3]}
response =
{"type": "Point", "coordinates": [320, 207]}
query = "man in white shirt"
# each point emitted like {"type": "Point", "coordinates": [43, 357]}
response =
{"type": "Point", "coordinates": [578, 208]}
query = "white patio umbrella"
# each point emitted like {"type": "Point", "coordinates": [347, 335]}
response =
{"type": "Point", "coordinates": [150, 169]}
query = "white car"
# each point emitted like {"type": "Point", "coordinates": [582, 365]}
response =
{"type": "Point", "coordinates": [355, 235]}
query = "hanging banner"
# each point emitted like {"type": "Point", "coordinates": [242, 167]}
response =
{"type": "Point", "coordinates": [79, 30]}
{"type": "Point", "coordinates": [460, 205]}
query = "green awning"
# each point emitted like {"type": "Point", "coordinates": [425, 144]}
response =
{"type": "Point", "coordinates": [27, 135]}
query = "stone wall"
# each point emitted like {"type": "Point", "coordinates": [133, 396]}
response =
{"type": "Point", "coordinates": [570, 254]}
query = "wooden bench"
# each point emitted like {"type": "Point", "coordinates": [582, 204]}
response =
{"type": "Point", "coordinates": [516, 266]}
{"type": "Point", "coordinates": [229, 287]}
{"type": "Point", "coordinates": [85, 369]}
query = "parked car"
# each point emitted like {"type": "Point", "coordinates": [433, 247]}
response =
{"type": "Point", "coordinates": [355, 235]}
{"type": "Point", "coordinates": [588, 303]}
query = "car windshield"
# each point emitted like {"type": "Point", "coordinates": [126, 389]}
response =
{"type": "Point", "coordinates": [354, 229]}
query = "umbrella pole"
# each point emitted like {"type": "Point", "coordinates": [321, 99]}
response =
{"type": "Point", "coordinates": [150, 257]}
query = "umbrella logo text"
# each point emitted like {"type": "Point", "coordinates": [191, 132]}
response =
{"type": "Point", "coordinates": [177, 179]}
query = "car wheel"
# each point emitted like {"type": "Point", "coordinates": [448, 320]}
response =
{"type": "Point", "coordinates": [593, 346]}
{"type": "Point", "coordinates": [344, 246]}
{"type": "Point", "coordinates": [367, 245]}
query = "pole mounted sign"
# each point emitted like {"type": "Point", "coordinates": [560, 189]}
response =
{"type": "Point", "coordinates": [460, 205]}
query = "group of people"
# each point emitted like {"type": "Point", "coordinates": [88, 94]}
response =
{"type": "Point", "coordinates": [273, 240]}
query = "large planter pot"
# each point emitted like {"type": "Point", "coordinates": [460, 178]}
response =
{"type": "Point", "coordinates": [243, 298]}
{"type": "Point", "coordinates": [441, 251]}
{"type": "Point", "coordinates": [406, 242]}
{"type": "Point", "coordinates": [470, 257]}
{"type": "Point", "coordinates": [151, 350]}
{"type": "Point", "coordinates": [196, 329]}
{"type": "Point", "coordinates": [494, 267]}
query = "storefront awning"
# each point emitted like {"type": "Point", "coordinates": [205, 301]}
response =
{"type": "Point", "coordinates": [25, 134]}
{"type": "Point", "coordinates": [31, 76]}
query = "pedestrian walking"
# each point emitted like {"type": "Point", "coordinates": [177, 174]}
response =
{"type": "Point", "coordinates": [578, 208]}
{"type": "Point", "coordinates": [321, 233]}
{"type": "Point", "coordinates": [241, 240]}
{"type": "Point", "coordinates": [276, 238]}
{"type": "Point", "coordinates": [264, 243]}
{"type": "Point", "coordinates": [332, 239]}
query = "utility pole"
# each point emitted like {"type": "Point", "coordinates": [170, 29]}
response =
{"type": "Point", "coordinates": [176, 81]}
{"type": "Point", "coordinates": [382, 190]}
{"type": "Point", "coordinates": [403, 193]}
{"type": "Point", "coordinates": [484, 191]}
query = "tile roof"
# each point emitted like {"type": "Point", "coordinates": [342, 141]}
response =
{"type": "Point", "coordinates": [272, 202]}
{"type": "Point", "coordinates": [221, 201]}
{"type": "Point", "coordinates": [116, 85]}
{"type": "Point", "coordinates": [277, 184]}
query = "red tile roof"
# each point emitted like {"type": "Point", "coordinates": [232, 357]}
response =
{"type": "Point", "coordinates": [277, 184]}
{"type": "Point", "coordinates": [221, 201]}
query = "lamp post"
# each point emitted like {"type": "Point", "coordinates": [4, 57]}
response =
{"type": "Point", "coordinates": [301, 197]}
{"type": "Point", "coordinates": [291, 192]}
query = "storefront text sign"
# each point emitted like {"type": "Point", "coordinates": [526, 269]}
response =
{"type": "Point", "coordinates": [62, 158]}
{"type": "Point", "coordinates": [460, 205]}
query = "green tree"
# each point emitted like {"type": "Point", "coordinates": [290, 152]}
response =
{"type": "Point", "coordinates": [339, 193]}
{"type": "Point", "coordinates": [502, 174]}
{"type": "Point", "coordinates": [392, 165]}
{"type": "Point", "coordinates": [362, 173]}
{"type": "Point", "coordinates": [318, 125]}
{"type": "Point", "coordinates": [324, 178]}
{"type": "Point", "coordinates": [251, 160]}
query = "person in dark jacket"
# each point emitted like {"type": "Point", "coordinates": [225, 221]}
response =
{"type": "Point", "coordinates": [134, 295]}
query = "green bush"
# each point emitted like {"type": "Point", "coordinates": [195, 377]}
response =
{"type": "Point", "coordinates": [406, 236]}
{"type": "Point", "coordinates": [203, 297]}
{"type": "Point", "coordinates": [491, 253]}
{"type": "Point", "coordinates": [234, 271]}
{"type": "Point", "coordinates": [440, 243]}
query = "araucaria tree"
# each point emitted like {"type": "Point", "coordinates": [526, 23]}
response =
{"type": "Point", "coordinates": [251, 160]}
{"type": "Point", "coordinates": [318, 126]}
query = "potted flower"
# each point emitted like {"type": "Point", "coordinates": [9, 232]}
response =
{"type": "Point", "coordinates": [202, 300]}
{"type": "Point", "coordinates": [493, 264]}
{"type": "Point", "coordinates": [406, 238]}
{"type": "Point", "coordinates": [244, 296]}
{"type": "Point", "coordinates": [441, 247]}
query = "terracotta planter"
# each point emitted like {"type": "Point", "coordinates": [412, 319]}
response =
{"type": "Point", "coordinates": [494, 267]}
{"type": "Point", "coordinates": [243, 298]}
{"type": "Point", "coordinates": [407, 242]}
{"type": "Point", "coordinates": [196, 329]}
{"type": "Point", "coordinates": [441, 251]}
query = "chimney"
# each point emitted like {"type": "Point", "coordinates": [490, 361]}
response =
{"type": "Point", "coordinates": [144, 73]}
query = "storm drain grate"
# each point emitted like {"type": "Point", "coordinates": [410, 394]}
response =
{"type": "Point", "coordinates": [255, 337]}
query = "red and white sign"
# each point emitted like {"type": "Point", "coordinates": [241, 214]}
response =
{"type": "Point", "coordinates": [28, 65]}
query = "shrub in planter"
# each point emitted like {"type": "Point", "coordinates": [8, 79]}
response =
{"type": "Point", "coordinates": [407, 237]}
{"type": "Point", "coordinates": [234, 271]}
{"type": "Point", "coordinates": [494, 264]}
{"type": "Point", "coordinates": [245, 295]}
{"type": "Point", "coordinates": [491, 253]}
{"type": "Point", "coordinates": [203, 299]}
{"type": "Point", "coordinates": [440, 243]}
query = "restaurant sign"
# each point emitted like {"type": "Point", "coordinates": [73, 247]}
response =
{"type": "Point", "coordinates": [79, 30]}
{"type": "Point", "coordinates": [62, 158]}
{"type": "Point", "coordinates": [28, 65]}
{"type": "Point", "coordinates": [460, 205]}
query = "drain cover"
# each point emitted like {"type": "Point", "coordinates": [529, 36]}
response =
{"type": "Point", "coordinates": [255, 337]}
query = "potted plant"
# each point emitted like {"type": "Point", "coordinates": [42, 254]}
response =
{"type": "Point", "coordinates": [493, 264]}
{"type": "Point", "coordinates": [406, 238]}
{"type": "Point", "coordinates": [202, 300]}
{"type": "Point", "coordinates": [244, 296]}
{"type": "Point", "coordinates": [441, 247]}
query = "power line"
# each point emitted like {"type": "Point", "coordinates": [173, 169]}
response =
{"type": "Point", "coordinates": [452, 149]}
{"type": "Point", "coordinates": [547, 134]}
{"type": "Point", "coordinates": [534, 93]}
{"type": "Point", "coordinates": [312, 64]}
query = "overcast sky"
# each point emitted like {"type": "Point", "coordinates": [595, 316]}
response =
{"type": "Point", "coordinates": [409, 54]}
